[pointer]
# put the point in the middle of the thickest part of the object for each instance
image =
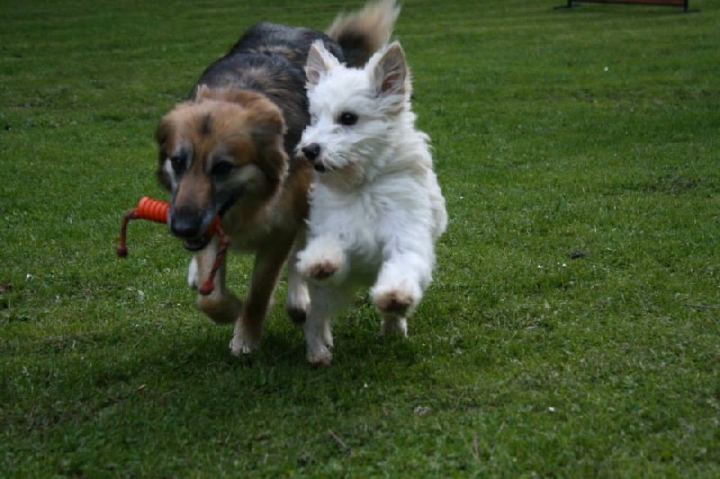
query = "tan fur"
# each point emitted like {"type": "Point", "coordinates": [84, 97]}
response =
{"type": "Point", "coordinates": [250, 128]}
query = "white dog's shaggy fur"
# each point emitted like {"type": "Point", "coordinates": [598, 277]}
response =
{"type": "Point", "coordinates": [376, 208]}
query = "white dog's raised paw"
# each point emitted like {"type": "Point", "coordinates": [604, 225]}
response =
{"type": "Point", "coordinates": [322, 259]}
{"type": "Point", "coordinates": [321, 270]}
{"type": "Point", "coordinates": [395, 302]}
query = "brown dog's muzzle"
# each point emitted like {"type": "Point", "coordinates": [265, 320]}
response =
{"type": "Point", "coordinates": [190, 225]}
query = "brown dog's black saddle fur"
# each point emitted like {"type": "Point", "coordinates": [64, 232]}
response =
{"type": "Point", "coordinates": [270, 58]}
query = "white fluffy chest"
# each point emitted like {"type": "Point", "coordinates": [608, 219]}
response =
{"type": "Point", "coordinates": [360, 220]}
{"type": "Point", "coordinates": [353, 219]}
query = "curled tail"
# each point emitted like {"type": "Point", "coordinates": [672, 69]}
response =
{"type": "Point", "coordinates": [362, 33]}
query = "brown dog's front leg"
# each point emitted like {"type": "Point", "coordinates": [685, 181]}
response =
{"type": "Point", "coordinates": [248, 328]}
{"type": "Point", "coordinates": [221, 305]}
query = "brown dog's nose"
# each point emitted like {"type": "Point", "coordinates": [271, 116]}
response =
{"type": "Point", "coordinates": [311, 151]}
{"type": "Point", "coordinates": [186, 223]}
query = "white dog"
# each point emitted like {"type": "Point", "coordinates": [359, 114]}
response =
{"type": "Point", "coordinates": [376, 208]}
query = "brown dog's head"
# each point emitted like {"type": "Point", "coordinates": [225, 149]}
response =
{"type": "Point", "coordinates": [216, 150]}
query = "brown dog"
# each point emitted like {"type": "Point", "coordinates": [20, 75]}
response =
{"type": "Point", "coordinates": [226, 152]}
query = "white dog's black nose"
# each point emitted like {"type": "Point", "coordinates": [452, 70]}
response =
{"type": "Point", "coordinates": [311, 151]}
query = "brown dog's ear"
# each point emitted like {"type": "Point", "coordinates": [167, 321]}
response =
{"type": "Point", "coordinates": [266, 126]}
{"type": "Point", "coordinates": [203, 91]}
{"type": "Point", "coordinates": [162, 135]}
{"type": "Point", "coordinates": [268, 130]}
{"type": "Point", "coordinates": [276, 162]}
{"type": "Point", "coordinates": [268, 122]}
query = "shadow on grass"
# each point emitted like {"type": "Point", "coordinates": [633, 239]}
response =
{"type": "Point", "coordinates": [198, 359]}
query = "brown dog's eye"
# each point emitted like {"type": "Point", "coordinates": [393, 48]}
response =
{"type": "Point", "coordinates": [178, 163]}
{"type": "Point", "coordinates": [347, 118]}
{"type": "Point", "coordinates": [222, 168]}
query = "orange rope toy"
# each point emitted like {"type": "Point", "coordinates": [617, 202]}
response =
{"type": "Point", "coordinates": [157, 211]}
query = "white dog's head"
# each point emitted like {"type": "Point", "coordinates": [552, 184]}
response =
{"type": "Point", "coordinates": [355, 113]}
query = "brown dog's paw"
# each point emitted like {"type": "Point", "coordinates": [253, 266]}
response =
{"type": "Point", "coordinates": [394, 302]}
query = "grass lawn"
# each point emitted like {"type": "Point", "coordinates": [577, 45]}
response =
{"type": "Point", "coordinates": [573, 328]}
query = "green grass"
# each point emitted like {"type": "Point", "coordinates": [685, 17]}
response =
{"type": "Point", "coordinates": [573, 326]}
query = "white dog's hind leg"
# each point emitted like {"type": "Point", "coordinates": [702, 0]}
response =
{"type": "Point", "coordinates": [437, 202]}
{"type": "Point", "coordinates": [324, 302]}
{"type": "Point", "coordinates": [393, 325]}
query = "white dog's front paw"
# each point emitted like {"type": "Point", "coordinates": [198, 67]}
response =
{"type": "Point", "coordinates": [192, 275]}
{"type": "Point", "coordinates": [321, 260]}
{"type": "Point", "coordinates": [321, 270]}
{"type": "Point", "coordinates": [396, 301]}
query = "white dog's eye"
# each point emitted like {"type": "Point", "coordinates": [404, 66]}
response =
{"type": "Point", "coordinates": [347, 118]}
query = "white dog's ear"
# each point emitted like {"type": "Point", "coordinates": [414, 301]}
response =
{"type": "Point", "coordinates": [319, 62]}
{"type": "Point", "coordinates": [390, 72]}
